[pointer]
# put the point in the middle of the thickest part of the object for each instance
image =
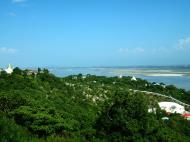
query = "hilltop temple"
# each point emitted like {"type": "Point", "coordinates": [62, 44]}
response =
{"type": "Point", "coordinates": [133, 78]}
{"type": "Point", "coordinates": [9, 70]}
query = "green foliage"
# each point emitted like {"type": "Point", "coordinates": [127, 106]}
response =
{"type": "Point", "coordinates": [11, 132]}
{"type": "Point", "coordinates": [38, 106]}
{"type": "Point", "coordinates": [43, 122]}
{"type": "Point", "coordinates": [17, 71]}
{"type": "Point", "coordinates": [10, 101]}
{"type": "Point", "coordinates": [126, 119]}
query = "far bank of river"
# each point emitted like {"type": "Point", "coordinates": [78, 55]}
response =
{"type": "Point", "coordinates": [178, 77]}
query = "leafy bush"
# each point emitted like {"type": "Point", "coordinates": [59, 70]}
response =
{"type": "Point", "coordinates": [9, 101]}
{"type": "Point", "coordinates": [11, 132]}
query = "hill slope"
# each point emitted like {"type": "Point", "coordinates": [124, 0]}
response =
{"type": "Point", "coordinates": [43, 107]}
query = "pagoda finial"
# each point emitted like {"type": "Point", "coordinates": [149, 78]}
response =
{"type": "Point", "coordinates": [9, 66]}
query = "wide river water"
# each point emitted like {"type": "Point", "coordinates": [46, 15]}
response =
{"type": "Point", "coordinates": [178, 76]}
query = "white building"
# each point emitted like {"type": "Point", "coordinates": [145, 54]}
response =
{"type": "Point", "coordinates": [152, 110]}
{"type": "Point", "coordinates": [9, 70]}
{"type": "Point", "coordinates": [172, 107]}
{"type": "Point", "coordinates": [83, 77]}
{"type": "Point", "coordinates": [133, 79]}
{"type": "Point", "coordinates": [165, 118]}
{"type": "Point", "coordinates": [120, 76]}
{"type": "Point", "coordinates": [187, 116]}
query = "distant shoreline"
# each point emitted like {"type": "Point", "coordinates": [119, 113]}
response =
{"type": "Point", "coordinates": [179, 77]}
{"type": "Point", "coordinates": [166, 75]}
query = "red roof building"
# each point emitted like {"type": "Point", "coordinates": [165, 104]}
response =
{"type": "Point", "coordinates": [187, 116]}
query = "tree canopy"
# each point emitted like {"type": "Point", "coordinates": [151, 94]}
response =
{"type": "Point", "coordinates": [39, 106]}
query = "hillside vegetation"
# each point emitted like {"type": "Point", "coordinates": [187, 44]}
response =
{"type": "Point", "coordinates": [42, 107]}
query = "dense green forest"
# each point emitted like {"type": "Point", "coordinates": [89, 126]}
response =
{"type": "Point", "coordinates": [39, 106]}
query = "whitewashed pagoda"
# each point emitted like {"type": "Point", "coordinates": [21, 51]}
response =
{"type": "Point", "coordinates": [133, 79]}
{"type": "Point", "coordinates": [9, 70]}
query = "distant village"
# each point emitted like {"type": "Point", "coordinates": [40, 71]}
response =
{"type": "Point", "coordinates": [169, 107]}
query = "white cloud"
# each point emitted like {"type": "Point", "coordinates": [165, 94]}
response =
{"type": "Point", "coordinates": [13, 14]}
{"type": "Point", "coordinates": [123, 50]}
{"type": "Point", "coordinates": [139, 50]}
{"type": "Point", "coordinates": [183, 43]}
{"type": "Point", "coordinates": [6, 50]}
{"type": "Point", "coordinates": [131, 50]}
{"type": "Point", "coordinates": [181, 47]}
{"type": "Point", "coordinates": [18, 1]}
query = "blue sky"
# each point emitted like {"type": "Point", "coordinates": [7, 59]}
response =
{"type": "Point", "coordinates": [94, 32]}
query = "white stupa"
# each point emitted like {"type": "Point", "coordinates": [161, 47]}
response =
{"type": "Point", "coordinates": [133, 79]}
{"type": "Point", "coordinates": [120, 76]}
{"type": "Point", "coordinates": [9, 70]}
